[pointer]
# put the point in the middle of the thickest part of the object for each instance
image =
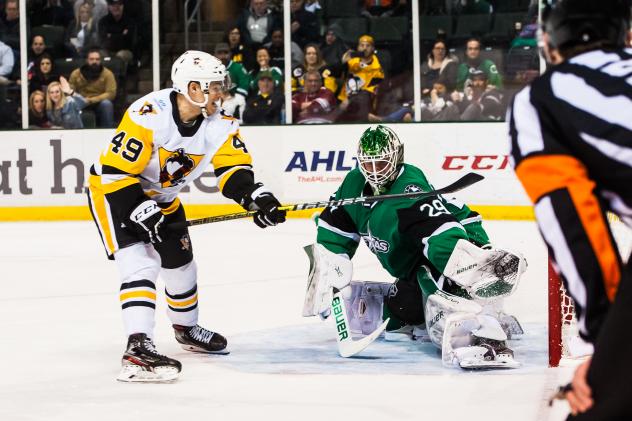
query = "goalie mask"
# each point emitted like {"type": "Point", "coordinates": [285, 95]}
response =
{"type": "Point", "coordinates": [380, 156]}
{"type": "Point", "coordinates": [200, 67]}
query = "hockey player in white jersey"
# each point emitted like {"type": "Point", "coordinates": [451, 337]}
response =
{"type": "Point", "coordinates": [164, 141]}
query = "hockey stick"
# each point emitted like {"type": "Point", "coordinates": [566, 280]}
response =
{"type": "Point", "coordinates": [463, 182]}
{"type": "Point", "coordinates": [347, 347]}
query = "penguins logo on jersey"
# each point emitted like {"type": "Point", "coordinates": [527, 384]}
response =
{"type": "Point", "coordinates": [147, 108]}
{"type": "Point", "coordinates": [376, 245]}
{"type": "Point", "coordinates": [174, 166]}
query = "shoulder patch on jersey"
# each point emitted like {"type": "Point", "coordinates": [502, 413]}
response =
{"type": "Point", "coordinates": [146, 108]}
{"type": "Point", "coordinates": [412, 188]}
{"type": "Point", "coordinates": [175, 165]}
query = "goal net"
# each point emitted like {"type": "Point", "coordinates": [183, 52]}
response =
{"type": "Point", "coordinates": [564, 340]}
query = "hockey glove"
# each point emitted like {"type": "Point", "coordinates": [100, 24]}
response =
{"type": "Point", "coordinates": [147, 219]}
{"type": "Point", "coordinates": [266, 205]}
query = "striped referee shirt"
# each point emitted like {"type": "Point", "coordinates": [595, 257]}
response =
{"type": "Point", "coordinates": [571, 147]}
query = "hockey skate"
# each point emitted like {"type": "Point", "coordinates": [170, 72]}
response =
{"type": "Point", "coordinates": [487, 354]}
{"type": "Point", "coordinates": [197, 339]}
{"type": "Point", "coordinates": [142, 363]}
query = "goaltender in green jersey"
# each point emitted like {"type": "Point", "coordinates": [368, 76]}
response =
{"type": "Point", "coordinates": [449, 279]}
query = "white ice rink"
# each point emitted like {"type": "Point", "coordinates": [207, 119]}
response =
{"type": "Point", "coordinates": [62, 338]}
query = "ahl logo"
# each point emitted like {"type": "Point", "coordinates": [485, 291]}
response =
{"type": "Point", "coordinates": [376, 245]}
{"type": "Point", "coordinates": [175, 166]}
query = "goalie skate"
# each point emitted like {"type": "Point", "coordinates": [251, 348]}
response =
{"type": "Point", "coordinates": [197, 339]}
{"type": "Point", "coordinates": [142, 363]}
{"type": "Point", "coordinates": [486, 355]}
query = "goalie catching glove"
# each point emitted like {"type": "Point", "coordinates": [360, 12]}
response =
{"type": "Point", "coordinates": [147, 219]}
{"type": "Point", "coordinates": [267, 206]}
{"type": "Point", "coordinates": [327, 271]}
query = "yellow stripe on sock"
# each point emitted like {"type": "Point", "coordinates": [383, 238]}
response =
{"type": "Point", "coordinates": [182, 303]}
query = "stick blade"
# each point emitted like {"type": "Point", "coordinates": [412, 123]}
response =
{"type": "Point", "coordinates": [348, 347]}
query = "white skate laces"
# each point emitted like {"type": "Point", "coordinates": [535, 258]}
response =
{"type": "Point", "coordinates": [200, 334]}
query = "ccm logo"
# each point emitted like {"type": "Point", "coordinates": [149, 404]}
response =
{"type": "Point", "coordinates": [475, 162]}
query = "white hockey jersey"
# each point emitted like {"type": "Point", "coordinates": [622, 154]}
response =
{"type": "Point", "coordinates": [152, 147]}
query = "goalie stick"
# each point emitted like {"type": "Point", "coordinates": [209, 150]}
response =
{"type": "Point", "coordinates": [463, 182]}
{"type": "Point", "coordinates": [347, 347]}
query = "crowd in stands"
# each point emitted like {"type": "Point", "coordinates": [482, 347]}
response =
{"type": "Point", "coordinates": [351, 60]}
{"type": "Point", "coordinates": [347, 67]}
{"type": "Point", "coordinates": [81, 54]}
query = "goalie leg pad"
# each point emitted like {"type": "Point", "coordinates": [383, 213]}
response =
{"type": "Point", "coordinates": [439, 306]}
{"type": "Point", "coordinates": [366, 305]}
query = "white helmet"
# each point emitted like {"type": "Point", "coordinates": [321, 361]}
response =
{"type": "Point", "coordinates": [380, 157]}
{"type": "Point", "coordinates": [197, 66]}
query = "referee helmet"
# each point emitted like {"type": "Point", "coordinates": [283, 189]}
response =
{"type": "Point", "coordinates": [575, 22]}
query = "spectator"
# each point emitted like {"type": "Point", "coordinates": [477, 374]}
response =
{"type": "Point", "coordinates": [43, 73]}
{"type": "Point", "coordinates": [276, 48]}
{"type": "Point", "coordinates": [266, 106]}
{"type": "Point", "coordinates": [38, 47]}
{"type": "Point", "coordinates": [81, 34]}
{"type": "Point", "coordinates": [439, 64]}
{"type": "Point", "coordinates": [313, 61]}
{"type": "Point", "coordinates": [240, 52]}
{"type": "Point", "coordinates": [364, 75]}
{"type": "Point", "coordinates": [476, 7]}
{"type": "Point", "coordinates": [117, 32]}
{"type": "Point", "coordinates": [10, 25]}
{"type": "Point", "coordinates": [304, 24]}
{"type": "Point", "coordinates": [263, 65]}
{"type": "Point", "coordinates": [439, 106]}
{"type": "Point", "coordinates": [50, 12]}
{"type": "Point", "coordinates": [99, 8]}
{"type": "Point", "coordinates": [315, 103]}
{"type": "Point", "coordinates": [313, 6]}
{"type": "Point", "coordinates": [480, 102]}
{"type": "Point", "coordinates": [333, 48]}
{"type": "Point", "coordinates": [473, 61]}
{"type": "Point", "coordinates": [64, 105]}
{"type": "Point", "coordinates": [6, 63]}
{"type": "Point", "coordinates": [37, 111]}
{"type": "Point", "coordinates": [97, 85]}
{"type": "Point", "coordinates": [240, 80]}
{"type": "Point", "coordinates": [257, 22]}
{"type": "Point", "coordinates": [384, 8]}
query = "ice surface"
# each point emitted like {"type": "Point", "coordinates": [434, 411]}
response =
{"type": "Point", "coordinates": [63, 338]}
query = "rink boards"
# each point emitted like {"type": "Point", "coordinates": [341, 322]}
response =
{"type": "Point", "coordinates": [43, 173]}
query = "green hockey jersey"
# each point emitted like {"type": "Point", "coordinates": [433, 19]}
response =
{"type": "Point", "coordinates": [404, 234]}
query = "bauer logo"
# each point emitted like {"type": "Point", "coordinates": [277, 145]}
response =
{"type": "Point", "coordinates": [341, 326]}
{"type": "Point", "coordinates": [312, 161]}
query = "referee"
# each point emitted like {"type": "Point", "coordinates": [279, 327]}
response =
{"type": "Point", "coordinates": [571, 147]}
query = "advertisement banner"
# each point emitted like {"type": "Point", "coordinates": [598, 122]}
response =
{"type": "Point", "coordinates": [50, 168]}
